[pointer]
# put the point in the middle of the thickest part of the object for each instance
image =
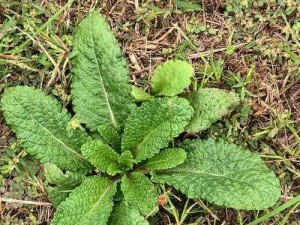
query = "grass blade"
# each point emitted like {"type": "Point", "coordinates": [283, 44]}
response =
{"type": "Point", "coordinates": [276, 210]}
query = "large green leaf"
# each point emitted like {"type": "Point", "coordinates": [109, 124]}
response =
{"type": "Point", "coordinates": [89, 204]}
{"type": "Point", "coordinates": [40, 124]}
{"type": "Point", "coordinates": [224, 174]}
{"type": "Point", "coordinates": [170, 78]}
{"type": "Point", "coordinates": [124, 214]}
{"type": "Point", "coordinates": [100, 84]}
{"type": "Point", "coordinates": [139, 191]}
{"type": "Point", "coordinates": [166, 159]}
{"type": "Point", "coordinates": [210, 104]}
{"type": "Point", "coordinates": [101, 156]}
{"type": "Point", "coordinates": [154, 124]}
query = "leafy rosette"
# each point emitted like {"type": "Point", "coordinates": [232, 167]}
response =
{"type": "Point", "coordinates": [107, 169]}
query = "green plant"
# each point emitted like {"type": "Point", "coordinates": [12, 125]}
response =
{"type": "Point", "coordinates": [104, 163]}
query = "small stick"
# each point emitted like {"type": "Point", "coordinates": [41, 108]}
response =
{"type": "Point", "coordinates": [10, 200]}
{"type": "Point", "coordinates": [11, 57]}
{"type": "Point", "coordinates": [136, 4]}
{"type": "Point", "coordinates": [164, 35]}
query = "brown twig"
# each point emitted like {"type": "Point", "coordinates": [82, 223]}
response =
{"type": "Point", "coordinates": [11, 57]}
{"type": "Point", "coordinates": [10, 200]}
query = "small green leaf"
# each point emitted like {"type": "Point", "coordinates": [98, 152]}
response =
{"type": "Point", "coordinates": [113, 169]}
{"type": "Point", "coordinates": [101, 156]}
{"type": "Point", "coordinates": [210, 104]}
{"type": "Point", "coordinates": [187, 6]}
{"type": "Point", "coordinates": [55, 176]}
{"type": "Point", "coordinates": [89, 204]}
{"type": "Point", "coordinates": [124, 214]}
{"type": "Point", "coordinates": [170, 78]}
{"type": "Point", "coordinates": [110, 135]}
{"type": "Point", "coordinates": [65, 182]}
{"type": "Point", "coordinates": [166, 159]}
{"type": "Point", "coordinates": [126, 159]}
{"type": "Point", "coordinates": [140, 95]}
{"type": "Point", "coordinates": [154, 124]}
{"type": "Point", "coordinates": [212, 31]}
{"type": "Point", "coordinates": [224, 174]}
{"type": "Point", "coordinates": [139, 191]}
